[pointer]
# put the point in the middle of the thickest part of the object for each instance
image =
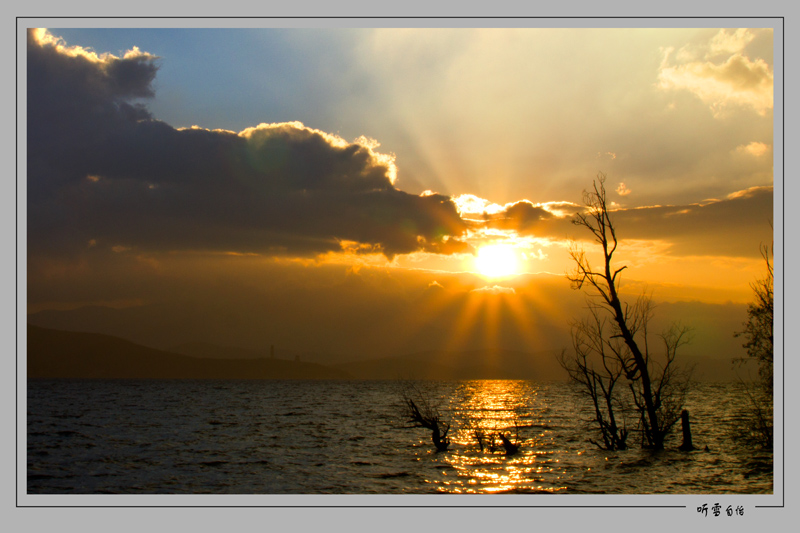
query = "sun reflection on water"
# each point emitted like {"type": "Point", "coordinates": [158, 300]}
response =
{"type": "Point", "coordinates": [478, 462]}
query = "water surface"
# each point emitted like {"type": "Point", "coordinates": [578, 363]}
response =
{"type": "Point", "coordinates": [350, 437]}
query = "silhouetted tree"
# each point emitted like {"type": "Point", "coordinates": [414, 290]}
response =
{"type": "Point", "coordinates": [420, 413]}
{"type": "Point", "coordinates": [760, 318]}
{"type": "Point", "coordinates": [758, 334]}
{"type": "Point", "coordinates": [606, 350]}
{"type": "Point", "coordinates": [596, 366]}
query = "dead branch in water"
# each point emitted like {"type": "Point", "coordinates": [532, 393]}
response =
{"type": "Point", "coordinates": [420, 413]}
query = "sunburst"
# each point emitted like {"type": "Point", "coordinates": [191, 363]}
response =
{"type": "Point", "coordinates": [497, 261]}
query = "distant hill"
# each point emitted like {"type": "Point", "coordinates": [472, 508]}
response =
{"type": "Point", "coordinates": [67, 354]}
{"type": "Point", "coordinates": [212, 351]}
{"type": "Point", "coordinates": [474, 364]}
{"type": "Point", "coordinates": [123, 323]}
{"type": "Point", "coordinates": [335, 328]}
{"type": "Point", "coordinates": [503, 364]}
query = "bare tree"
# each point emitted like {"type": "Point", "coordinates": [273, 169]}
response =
{"type": "Point", "coordinates": [622, 344]}
{"type": "Point", "coordinates": [669, 383]}
{"type": "Point", "coordinates": [421, 413]}
{"type": "Point", "coordinates": [596, 366]}
{"type": "Point", "coordinates": [758, 332]}
{"type": "Point", "coordinates": [759, 325]}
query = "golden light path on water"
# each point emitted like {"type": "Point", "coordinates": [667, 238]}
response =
{"type": "Point", "coordinates": [482, 410]}
{"type": "Point", "coordinates": [351, 437]}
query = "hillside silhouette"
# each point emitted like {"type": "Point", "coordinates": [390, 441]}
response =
{"type": "Point", "coordinates": [207, 350]}
{"type": "Point", "coordinates": [67, 354]}
{"type": "Point", "coordinates": [461, 365]}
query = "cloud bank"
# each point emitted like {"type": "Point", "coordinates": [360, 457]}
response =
{"type": "Point", "coordinates": [103, 170]}
{"type": "Point", "coordinates": [730, 226]}
{"type": "Point", "coordinates": [104, 174]}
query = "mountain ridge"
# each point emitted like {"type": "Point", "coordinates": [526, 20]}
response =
{"type": "Point", "coordinates": [56, 353]}
{"type": "Point", "coordinates": [68, 354]}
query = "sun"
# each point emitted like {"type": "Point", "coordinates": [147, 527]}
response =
{"type": "Point", "coordinates": [497, 261]}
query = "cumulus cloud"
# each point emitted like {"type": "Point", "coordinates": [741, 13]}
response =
{"type": "Point", "coordinates": [623, 190]}
{"type": "Point", "coordinates": [730, 43]}
{"type": "Point", "coordinates": [101, 167]}
{"type": "Point", "coordinates": [721, 82]}
{"type": "Point", "coordinates": [495, 289]}
{"type": "Point", "coordinates": [522, 216]}
{"type": "Point", "coordinates": [755, 149]}
{"type": "Point", "coordinates": [469, 204]}
{"type": "Point", "coordinates": [526, 218]}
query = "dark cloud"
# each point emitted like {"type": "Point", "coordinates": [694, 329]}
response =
{"type": "Point", "coordinates": [733, 226]}
{"type": "Point", "coordinates": [101, 168]}
{"type": "Point", "coordinates": [521, 216]}
{"type": "Point", "coordinates": [527, 218]}
{"type": "Point", "coordinates": [74, 102]}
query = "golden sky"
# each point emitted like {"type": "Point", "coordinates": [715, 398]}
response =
{"type": "Point", "coordinates": [164, 164]}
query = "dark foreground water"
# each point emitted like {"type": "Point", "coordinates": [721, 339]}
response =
{"type": "Point", "coordinates": [320, 437]}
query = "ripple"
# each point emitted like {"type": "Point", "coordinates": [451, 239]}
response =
{"type": "Point", "coordinates": [318, 437]}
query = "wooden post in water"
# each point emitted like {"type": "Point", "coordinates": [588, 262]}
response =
{"type": "Point", "coordinates": [687, 433]}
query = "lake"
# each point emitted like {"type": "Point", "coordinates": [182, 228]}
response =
{"type": "Point", "coordinates": [350, 437]}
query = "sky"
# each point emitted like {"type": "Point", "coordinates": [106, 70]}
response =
{"type": "Point", "coordinates": [376, 181]}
